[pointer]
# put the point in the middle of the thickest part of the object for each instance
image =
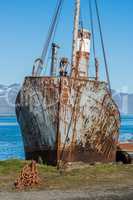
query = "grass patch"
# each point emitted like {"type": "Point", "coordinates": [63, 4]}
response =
{"type": "Point", "coordinates": [9, 166]}
{"type": "Point", "coordinates": [51, 178]}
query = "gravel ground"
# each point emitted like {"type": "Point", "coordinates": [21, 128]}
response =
{"type": "Point", "coordinates": [102, 194]}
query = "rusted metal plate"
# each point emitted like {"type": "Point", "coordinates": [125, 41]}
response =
{"type": "Point", "coordinates": [89, 121]}
{"type": "Point", "coordinates": [67, 119]}
{"type": "Point", "coordinates": [128, 147]}
{"type": "Point", "coordinates": [37, 112]}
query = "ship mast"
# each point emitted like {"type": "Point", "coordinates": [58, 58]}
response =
{"type": "Point", "coordinates": [75, 36]}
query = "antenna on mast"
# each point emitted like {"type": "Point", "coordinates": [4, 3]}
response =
{"type": "Point", "coordinates": [75, 36]}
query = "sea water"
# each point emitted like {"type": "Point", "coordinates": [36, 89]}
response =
{"type": "Point", "coordinates": [126, 130]}
{"type": "Point", "coordinates": [11, 143]}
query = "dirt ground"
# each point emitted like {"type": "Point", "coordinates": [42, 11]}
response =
{"type": "Point", "coordinates": [98, 182]}
{"type": "Point", "coordinates": [86, 194]}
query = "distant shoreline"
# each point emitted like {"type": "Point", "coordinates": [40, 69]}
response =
{"type": "Point", "coordinates": [9, 124]}
{"type": "Point", "coordinates": [7, 115]}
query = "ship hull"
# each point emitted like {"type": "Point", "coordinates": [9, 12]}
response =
{"type": "Point", "coordinates": [67, 119]}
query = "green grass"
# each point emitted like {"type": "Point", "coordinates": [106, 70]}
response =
{"type": "Point", "coordinates": [9, 166]}
{"type": "Point", "coordinates": [51, 178]}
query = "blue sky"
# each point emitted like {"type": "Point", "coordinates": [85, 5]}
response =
{"type": "Point", "coordinates": [24, 25]}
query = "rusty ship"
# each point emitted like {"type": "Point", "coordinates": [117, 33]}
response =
{"type": "Point", "coordinates": [69, 116]}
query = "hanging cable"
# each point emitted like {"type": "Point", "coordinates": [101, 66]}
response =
{"type": "Point", "coordinates": [53, 37]}
{"type": "Point", "coordinates": [92, 29]}
{"type": "Point", "coordinates": [93, 42]}
{"type": "Point", "coordinates": [52, 28]}
{"type": "Point", "coordinates": [103, 46]}
{"type": "Point", "coordinates": [69, 126]}
{"type": "Point", "coordinates": [81, 20]}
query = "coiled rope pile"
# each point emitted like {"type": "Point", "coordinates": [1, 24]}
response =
{"type": "Point", "coordinates": [28, 176]}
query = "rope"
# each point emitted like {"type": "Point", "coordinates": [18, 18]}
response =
{"type": "Point", "coordinates": [81, 20]}
{"type": "Point", "coordinates": [51, 30]}
{"type": "Point", "coordinates": [103, 46]}
{"type": "Point", "coordinates": [53, 37]}
{"type": "Point", "coordinates": [69, 126]}
{"type": "Point", "coordinates": [92, 29]}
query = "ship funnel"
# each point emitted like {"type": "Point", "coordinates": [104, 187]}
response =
{"type": "Point", "coordinates": [83, 52]}
{"type": "Point", "coordinates": [55, 48]}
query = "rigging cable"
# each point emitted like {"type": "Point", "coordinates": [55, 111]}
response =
{"type": "Point", "coordinates": [69, 126]}
{"type": "Point", "coordinates": [51, 30]}
{"type": "Point", "coordinates": [103, 46]}
{"type": "Point", "coordinates": [92, 29]}
{"type": "Point", "coordinates": [53, 36]}
{"type": "Point", "coordinates": [81, 20]}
